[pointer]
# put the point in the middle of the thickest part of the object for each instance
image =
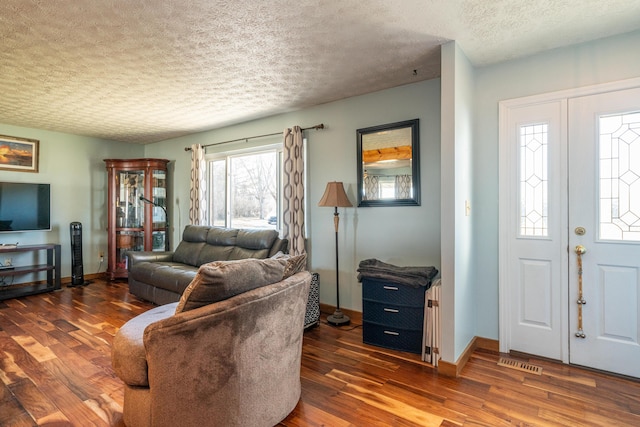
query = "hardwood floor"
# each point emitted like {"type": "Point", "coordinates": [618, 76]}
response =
{"type": "Point", "coordinates": [55, 369]}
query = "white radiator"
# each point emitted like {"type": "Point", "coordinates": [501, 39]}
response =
{"type": "Point", "coordinates": [431, 329]}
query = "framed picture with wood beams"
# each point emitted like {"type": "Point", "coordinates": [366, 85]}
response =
{"type": "Point", "coordinates": [389, 164]}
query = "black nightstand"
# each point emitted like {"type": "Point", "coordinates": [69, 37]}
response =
{"type": "Point", "coordinates": [393, 315]}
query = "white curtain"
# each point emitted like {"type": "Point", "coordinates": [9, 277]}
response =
{"type": "Point", "coordinates": [293, 187]}
{"type": "Point", "coordinates": [198, 191]}
{"type": "Point", "coordinates": [403, 186]}
{"type": "Point", "coordinates": [371, 187]}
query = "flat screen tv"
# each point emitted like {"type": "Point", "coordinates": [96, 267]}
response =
{"type": "Point", "coordinates": [24, 207]}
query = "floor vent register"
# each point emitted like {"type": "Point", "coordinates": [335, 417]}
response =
{"type": "Point", "coordinates": [520, 366]}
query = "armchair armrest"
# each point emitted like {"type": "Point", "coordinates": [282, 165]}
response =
{"type": "Point", "coordinates": [280, 245]}
{"type": "Point", "coordinates": [145, 256]}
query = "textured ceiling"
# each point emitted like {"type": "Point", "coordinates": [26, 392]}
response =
{"type": "Point", "coordinates": [148, 70]}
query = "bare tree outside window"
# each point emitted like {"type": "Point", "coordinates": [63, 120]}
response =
{"type": "Point", "coordinates": [244, 190]}
{"type": "Point", "coordinates": [218, 205]}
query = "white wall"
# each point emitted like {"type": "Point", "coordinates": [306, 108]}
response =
{"type": "Point", "coordinates": [605, 60]}
{"type": "Point", "coordinates": [398, 235]}
{"type": "Point", "coordinates": [74, 167]}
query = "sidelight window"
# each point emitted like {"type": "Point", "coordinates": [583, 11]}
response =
{"type": "Point", "coordinates": [534, 180]}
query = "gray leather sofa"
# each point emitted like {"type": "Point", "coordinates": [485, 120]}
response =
{"type": "Point", "coordinates": [162, 277]}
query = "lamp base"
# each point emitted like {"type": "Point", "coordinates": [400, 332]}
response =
{"type": "Point", "coordinates": [338, 318]}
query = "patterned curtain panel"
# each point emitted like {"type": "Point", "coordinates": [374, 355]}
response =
{"type": "Point", "coordinates": [403, 186]}
{"type": "Point", "coordinates": [293, 187]}
{"type": "Point", "coordinates": [198, 192]}
{"type": "Point", "coordinates": [371, 188]}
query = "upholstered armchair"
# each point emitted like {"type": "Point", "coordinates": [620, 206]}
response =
{"type": "Point", "coordinates": [235, 362]}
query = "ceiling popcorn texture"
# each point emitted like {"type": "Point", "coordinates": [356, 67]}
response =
{"type": "Point", "coordinates": [148, 70]}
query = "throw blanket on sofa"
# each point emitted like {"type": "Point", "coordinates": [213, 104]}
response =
{"type": "Point", "coordinates": [412, 276]}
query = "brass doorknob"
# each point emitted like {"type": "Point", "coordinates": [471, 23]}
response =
{"type": "Point", "coordinates": [580, 250]}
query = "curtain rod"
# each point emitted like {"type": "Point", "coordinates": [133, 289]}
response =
{"type": "Point", "coordinates": [316, 127]}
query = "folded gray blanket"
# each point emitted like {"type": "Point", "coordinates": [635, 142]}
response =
{"type": "Point", "coordinates": [412, 276]}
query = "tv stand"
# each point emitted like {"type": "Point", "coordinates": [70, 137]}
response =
{"type": "Point", "coordinates": [52, 267]}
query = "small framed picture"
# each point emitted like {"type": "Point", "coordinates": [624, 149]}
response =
{"type": "Point", "coordinates": [19, 154]}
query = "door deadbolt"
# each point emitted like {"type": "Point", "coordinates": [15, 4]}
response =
{"type": "Point", "coordinates": [580, 231]}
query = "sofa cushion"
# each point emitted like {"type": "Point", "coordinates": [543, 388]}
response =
{"type": "Point", "coordinates": [171, 276]}
{"type": "Point", "coordinates": [242, 253]}
{"type": "Point", "coordinates": [224, 244]}
{"type": "Point", "coordinates": [253, 243]}
{"type": "Point", "coordinates": [188, 252]}
{"type": "Point", "coordinates": [128, 355]}
{"type": "Point", "coordinates": [221, 236]}
{"type": "Point", "coordinates": [212, 253]}
{"type": "Point", "coordinates": [256, 239]}
{"type": "Point", "coordinates": [195, 233]}
{"type": "Point", "coordinates": [194, 238]}
{"type": "Point", "coordinates": [220, 280]}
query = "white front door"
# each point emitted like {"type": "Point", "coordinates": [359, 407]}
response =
{"type": "Point", "coordinates": [604, 219]}
{"type": "Point", "coordinates": [570, 177]}
{"type": "Point", "coordinates": [535, 227]}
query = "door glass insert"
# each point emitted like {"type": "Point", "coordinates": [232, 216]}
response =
{"type": "Point", "coordinates": [619, 147]}
{"type": "Point", "coordinates": [534, 180]}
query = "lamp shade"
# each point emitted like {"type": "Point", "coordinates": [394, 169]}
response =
{"type": "Point", "coordinates": [334, 196]}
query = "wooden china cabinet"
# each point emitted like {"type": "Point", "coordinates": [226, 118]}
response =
{"type": "Point", "coordinates": [137, 218]}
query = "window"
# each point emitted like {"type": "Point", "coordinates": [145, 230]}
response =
{"type": "Point", "coordinates": [534, 180]}
{"type": "Point", "coordinates": [387, 187]}
{"type": "Point", "coordinates": [245, 188]}
{"type": "Point", "coordinates": [620, 176]}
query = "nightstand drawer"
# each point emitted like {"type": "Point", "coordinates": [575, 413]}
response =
{"type": "Point", "coordinates": [393, 338]}
{"type": "Point", "coordinates": [400, 316]}
{"type": "Point", "coordinates": [384, 291]}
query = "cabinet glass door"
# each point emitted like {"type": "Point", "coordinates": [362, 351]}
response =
{"type": "Point", "coordinates": [129, 215]}
{"type": "Point", "coordinates": [158, 187]}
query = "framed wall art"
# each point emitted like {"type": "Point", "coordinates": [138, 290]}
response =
{"type": "Point", "coordinates": [19, 154]}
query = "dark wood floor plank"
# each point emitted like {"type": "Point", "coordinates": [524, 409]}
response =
{"type": "Point", "coordinates": [10, 371]}
{"type": "Point", "coordinates": [64, 338]}
{"type": "Point", "coordinates": [12, 413]}
{"type": "Point", "coordinates": [398, 409]}
{"type": "Point", "coordinates": [307, 415]}
{"type": "Point", "coordinates": [38, 405]}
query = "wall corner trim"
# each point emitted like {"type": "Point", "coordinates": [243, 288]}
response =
{"type": "Point", "coordinates": [449, 369]}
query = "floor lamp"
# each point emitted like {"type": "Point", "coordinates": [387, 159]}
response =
{"type": "Point", "coordinates": [334, 196]}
